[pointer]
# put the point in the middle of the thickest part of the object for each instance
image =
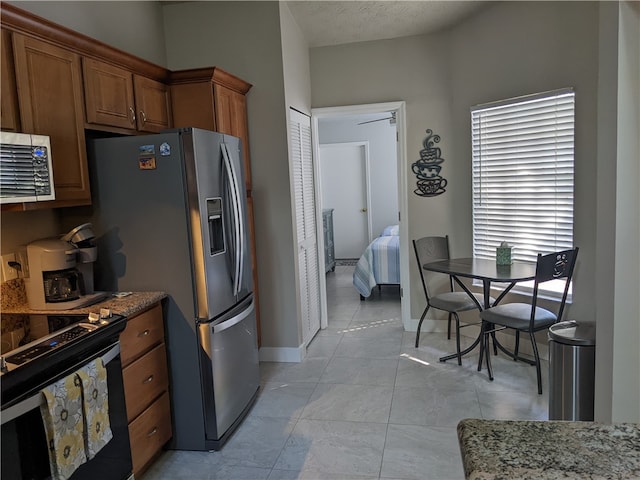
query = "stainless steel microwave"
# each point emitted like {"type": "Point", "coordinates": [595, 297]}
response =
{"type": "Point", "coordinates": [26, 172]}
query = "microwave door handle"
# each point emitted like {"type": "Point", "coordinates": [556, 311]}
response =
{"type": "Point", "coordinates": [236, 220]}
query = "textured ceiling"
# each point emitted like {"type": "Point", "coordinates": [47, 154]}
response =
{"type": "Point", "coordinates": [325, 23]}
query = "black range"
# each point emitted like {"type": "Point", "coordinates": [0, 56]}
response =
{"type": "Point", "coordinates": [50, 347]}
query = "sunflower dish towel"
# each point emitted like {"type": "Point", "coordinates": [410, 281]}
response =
{"type": "Point", "coordinates": [76, 418]}
{"type": "Point", "coordinates": [96, 406]}
{"type": "Point", "coordinates": [64, 426]}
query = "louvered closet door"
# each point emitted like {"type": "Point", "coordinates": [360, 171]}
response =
{"type": "Point", "coordinates": [305, 205]}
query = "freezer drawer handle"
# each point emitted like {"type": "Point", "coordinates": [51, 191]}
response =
{"type": "Point", "coordinates": [149, 379]}
{"type": "Point", "coordinates": [233, 320]}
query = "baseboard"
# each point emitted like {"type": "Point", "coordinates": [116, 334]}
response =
{"type": "Point", "coordinates": [282, 354]}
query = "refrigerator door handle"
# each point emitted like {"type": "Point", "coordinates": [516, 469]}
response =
{"type": "Point", "coordinates": [233, 320]}
{"type": "Point", "coordinates": [241, 224]}
{"type": "Point", "coordinates": [233, 181]}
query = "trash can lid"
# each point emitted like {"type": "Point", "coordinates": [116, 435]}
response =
{"type": "Point", "coordinates": [573, 333]}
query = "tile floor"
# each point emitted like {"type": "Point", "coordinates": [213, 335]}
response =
{"type": "Point", "coordinates": [364, 404]}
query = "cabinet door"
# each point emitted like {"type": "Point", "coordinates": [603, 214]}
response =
{"type": "Point", "coordinates": [231, 118]}
{"type": "Point", "coordinates": [9, 120]}
{"type": "Point", "coordinates": [152, 104]}
{"type": "Point", "coordinates": [51, 103]}
{"type": "Point", "coordinates": [192, 105]}
{"type": "Point", "coordinates": [108, 92]}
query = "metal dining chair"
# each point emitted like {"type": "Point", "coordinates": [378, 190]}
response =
{"type": "Point", "coordinates": [529, 317]}
{"type": "Point", "coordinates": [431, 249]}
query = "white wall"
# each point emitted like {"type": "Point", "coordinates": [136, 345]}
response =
{"type": "Point", "coordinates": [626, 357]}
{"type": "Point", "coordinates": [133, 26]}
{"type": "Point", "coordinates": [626, 339]}
{"type": "Point", "coordinates": [295, 63]}
{"type": "Point", "coordinates": [297, 92]}
{"type": "Point", "coordinates": [383, 176]}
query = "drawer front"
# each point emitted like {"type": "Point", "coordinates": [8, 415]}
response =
{"type": "Point", "coordinates": [149, 432]}
{"type": "Point", "coordinates": [144, 380]}
{"type": "Point", "coordinates": [143, 332]}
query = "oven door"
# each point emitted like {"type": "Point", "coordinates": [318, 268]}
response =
{"type": "Point", "coordinates": [24, 446]}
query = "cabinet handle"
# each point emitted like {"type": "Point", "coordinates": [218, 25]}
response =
{"type": "Point", "coordinates": [149, 379]}
{"type": "Point", "coordinates": [143, 116]}
{"type": "Point", "coordinates": [132, 115]}
{"type": "Point", "coordinates": [144, 334]}
{"type": "Point", "coordinates": [152, 432]}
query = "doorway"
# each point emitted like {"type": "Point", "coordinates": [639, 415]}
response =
{"type": "Point", "coordinates": [385, 111]}
{"type": "Point", "coordinates": [344, 180]}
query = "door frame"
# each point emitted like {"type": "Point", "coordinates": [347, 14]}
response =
{"type": "Point", "coordinates": [366, 179]}
{"type": "Point", "coordinates": [403, 200]}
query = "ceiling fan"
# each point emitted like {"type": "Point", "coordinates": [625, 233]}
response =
{"type": "Point", "coordinates": [392, 119]}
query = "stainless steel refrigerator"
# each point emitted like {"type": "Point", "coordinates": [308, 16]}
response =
{"type": "Point", "coordinates": [169, 213]}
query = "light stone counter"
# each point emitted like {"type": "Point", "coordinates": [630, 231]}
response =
{"type": "Point", "coordinates": [528, 450]}
{"type": "Point", "coordinates": [15, 301]}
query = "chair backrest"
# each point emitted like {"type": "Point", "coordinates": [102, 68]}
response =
{"type": "Point", "coordinates": [555, 266]}
{"type": "Point", "coordinates": [430, 249]}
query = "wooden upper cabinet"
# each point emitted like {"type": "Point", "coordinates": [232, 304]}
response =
{"type": "Point", "coordinates": [108, 92]}
{"type": "Point", "coordinates": [117, 97]}
{"type": "Point", "coordinates": [9, 118]}
{"type": "Point", "coordinates": [152, 104]}
{"type": "Point", "coordinates": [212, 99]}
{"type": "Point", "coordinates": [51, 103]}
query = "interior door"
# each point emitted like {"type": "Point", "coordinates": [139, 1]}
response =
{"type": "Point", "coordinates": [306, 230]}
{"type": "Point", "coordinates": [344, 188]}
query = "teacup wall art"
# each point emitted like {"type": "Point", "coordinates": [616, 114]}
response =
{"type": "Point", "coordinates": [428, 168]}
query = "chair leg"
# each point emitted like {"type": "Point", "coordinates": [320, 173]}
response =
{"type": "Point", "coordinates": [495, 344]}
{"type": "Point", "coordinates": [537, 356]}
{"type": "Point", "coordinates": [515, 352]}
{"type": "Point", "coordinates": [449, 327]}
{"type": "Point", "coordinates": [457, 335]}
{"type": "Point", "coordinates": [422, 317]}
{"type": "Point", "coordinates": [489, 369]}
{"type": "Point", "coordinates": [481, 345]}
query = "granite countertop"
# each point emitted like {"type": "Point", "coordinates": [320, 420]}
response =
{"type": "Point", "coordinates": [528, 450]}
{"type": "Point", "coordinates": [14, 300]}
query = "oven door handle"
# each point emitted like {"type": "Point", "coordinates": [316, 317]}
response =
{"type": "Point", "coordinates": [36, 400]}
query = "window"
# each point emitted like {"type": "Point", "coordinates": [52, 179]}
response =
{"type": "Point", "coordinates": [523, 175]}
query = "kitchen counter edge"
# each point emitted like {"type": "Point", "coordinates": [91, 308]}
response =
{"type": "Point", "coordinates": [128, 306]}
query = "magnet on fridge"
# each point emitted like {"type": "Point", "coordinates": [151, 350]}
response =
{"type": "Point", "coordinates": [147, 163]}
{"type": "Point", "coordinates": [146, 150]}
{"type": "Point", "coordinates": [165, 149]}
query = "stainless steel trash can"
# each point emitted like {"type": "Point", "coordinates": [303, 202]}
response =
{"type": "Point", "coordinates": [572, 362]}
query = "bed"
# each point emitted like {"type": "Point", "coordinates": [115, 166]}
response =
{"type": "Point", "coordinates": [380, 263]}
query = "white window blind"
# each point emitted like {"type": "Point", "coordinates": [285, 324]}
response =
{"type": "Point", "coordinates": [523, 175]}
